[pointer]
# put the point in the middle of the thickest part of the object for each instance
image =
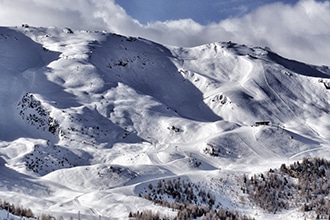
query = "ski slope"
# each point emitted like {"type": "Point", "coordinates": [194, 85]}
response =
{"type": "Point", "coordinates": [89, 119]}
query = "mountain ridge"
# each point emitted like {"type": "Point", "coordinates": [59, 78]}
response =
{"type": "Point", "coordinates": [120, 112]}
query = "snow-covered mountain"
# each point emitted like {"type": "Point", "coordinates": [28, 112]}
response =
{"type": "Point", "coordinates": [88, 120]}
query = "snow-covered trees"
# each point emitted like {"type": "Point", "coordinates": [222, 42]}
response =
{"type": "Point", "coordinates": [304, 184]}
{"type": "Point", "coordinates": [191, 200]}
{"type": "Point", "coordinates": [17, 210]}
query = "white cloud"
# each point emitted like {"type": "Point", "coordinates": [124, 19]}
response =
{"type": "Point", "coordinates": [300, 31]}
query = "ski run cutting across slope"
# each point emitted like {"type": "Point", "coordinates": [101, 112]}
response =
{"type": "Point", "coordinates": [88, 120]}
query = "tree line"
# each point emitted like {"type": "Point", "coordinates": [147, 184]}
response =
{"type": "Point", "coordinates": [303, 184]}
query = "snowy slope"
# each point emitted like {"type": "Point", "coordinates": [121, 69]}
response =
{"type": "Point", "coordinates": [90, 119]}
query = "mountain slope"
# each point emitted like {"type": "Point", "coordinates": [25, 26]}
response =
{"type": "Point", "coordinates": [92, 118]}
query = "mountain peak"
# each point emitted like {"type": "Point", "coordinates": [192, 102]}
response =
{"type": "Point", "coordinates": [89, 115]}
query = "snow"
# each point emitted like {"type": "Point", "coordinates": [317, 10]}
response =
{"type": "Point", "coordinates": [131, 112]}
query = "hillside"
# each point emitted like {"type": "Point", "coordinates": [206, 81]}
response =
{"type": "Point", "coordinates": [88, 120]}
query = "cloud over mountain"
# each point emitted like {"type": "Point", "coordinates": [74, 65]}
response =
{"type": "Point", "coordinates": [97, 123]}
{"type": "Point", "coordinates": [296, 31]}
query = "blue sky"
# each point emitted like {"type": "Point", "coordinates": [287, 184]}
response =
{"type": "Point", "coordinates": [201, 11]}
{"type": "Point", "coordinates": [296, 29]}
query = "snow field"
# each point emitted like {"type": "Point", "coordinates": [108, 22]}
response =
{"type": "Point", "coordinates": [131, 112]}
